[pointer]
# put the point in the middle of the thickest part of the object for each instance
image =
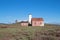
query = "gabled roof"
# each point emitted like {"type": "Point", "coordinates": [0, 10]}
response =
{"type": "Point", "coordinates": [37, 19]}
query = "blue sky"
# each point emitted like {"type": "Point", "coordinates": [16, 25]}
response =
{"type": "Point", "coordinates": [10, 10]}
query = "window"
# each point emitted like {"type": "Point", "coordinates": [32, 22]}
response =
{"type": "Point", "coordinates": [35, 23]}
{"type": "Point", "coordinates": [40, 22]}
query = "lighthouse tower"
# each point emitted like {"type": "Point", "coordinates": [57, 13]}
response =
{"type": "Point", "coordinates": [30, 17]}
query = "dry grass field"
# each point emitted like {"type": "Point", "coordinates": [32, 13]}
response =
{"type": "Point", "coordinates": [16, 32]}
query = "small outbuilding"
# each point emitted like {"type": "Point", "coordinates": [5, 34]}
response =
{"type": "Point", "coordinates": [24, 23]}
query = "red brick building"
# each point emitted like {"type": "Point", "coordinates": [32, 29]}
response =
{"type": "Point", "coordinates": [37, 22]}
